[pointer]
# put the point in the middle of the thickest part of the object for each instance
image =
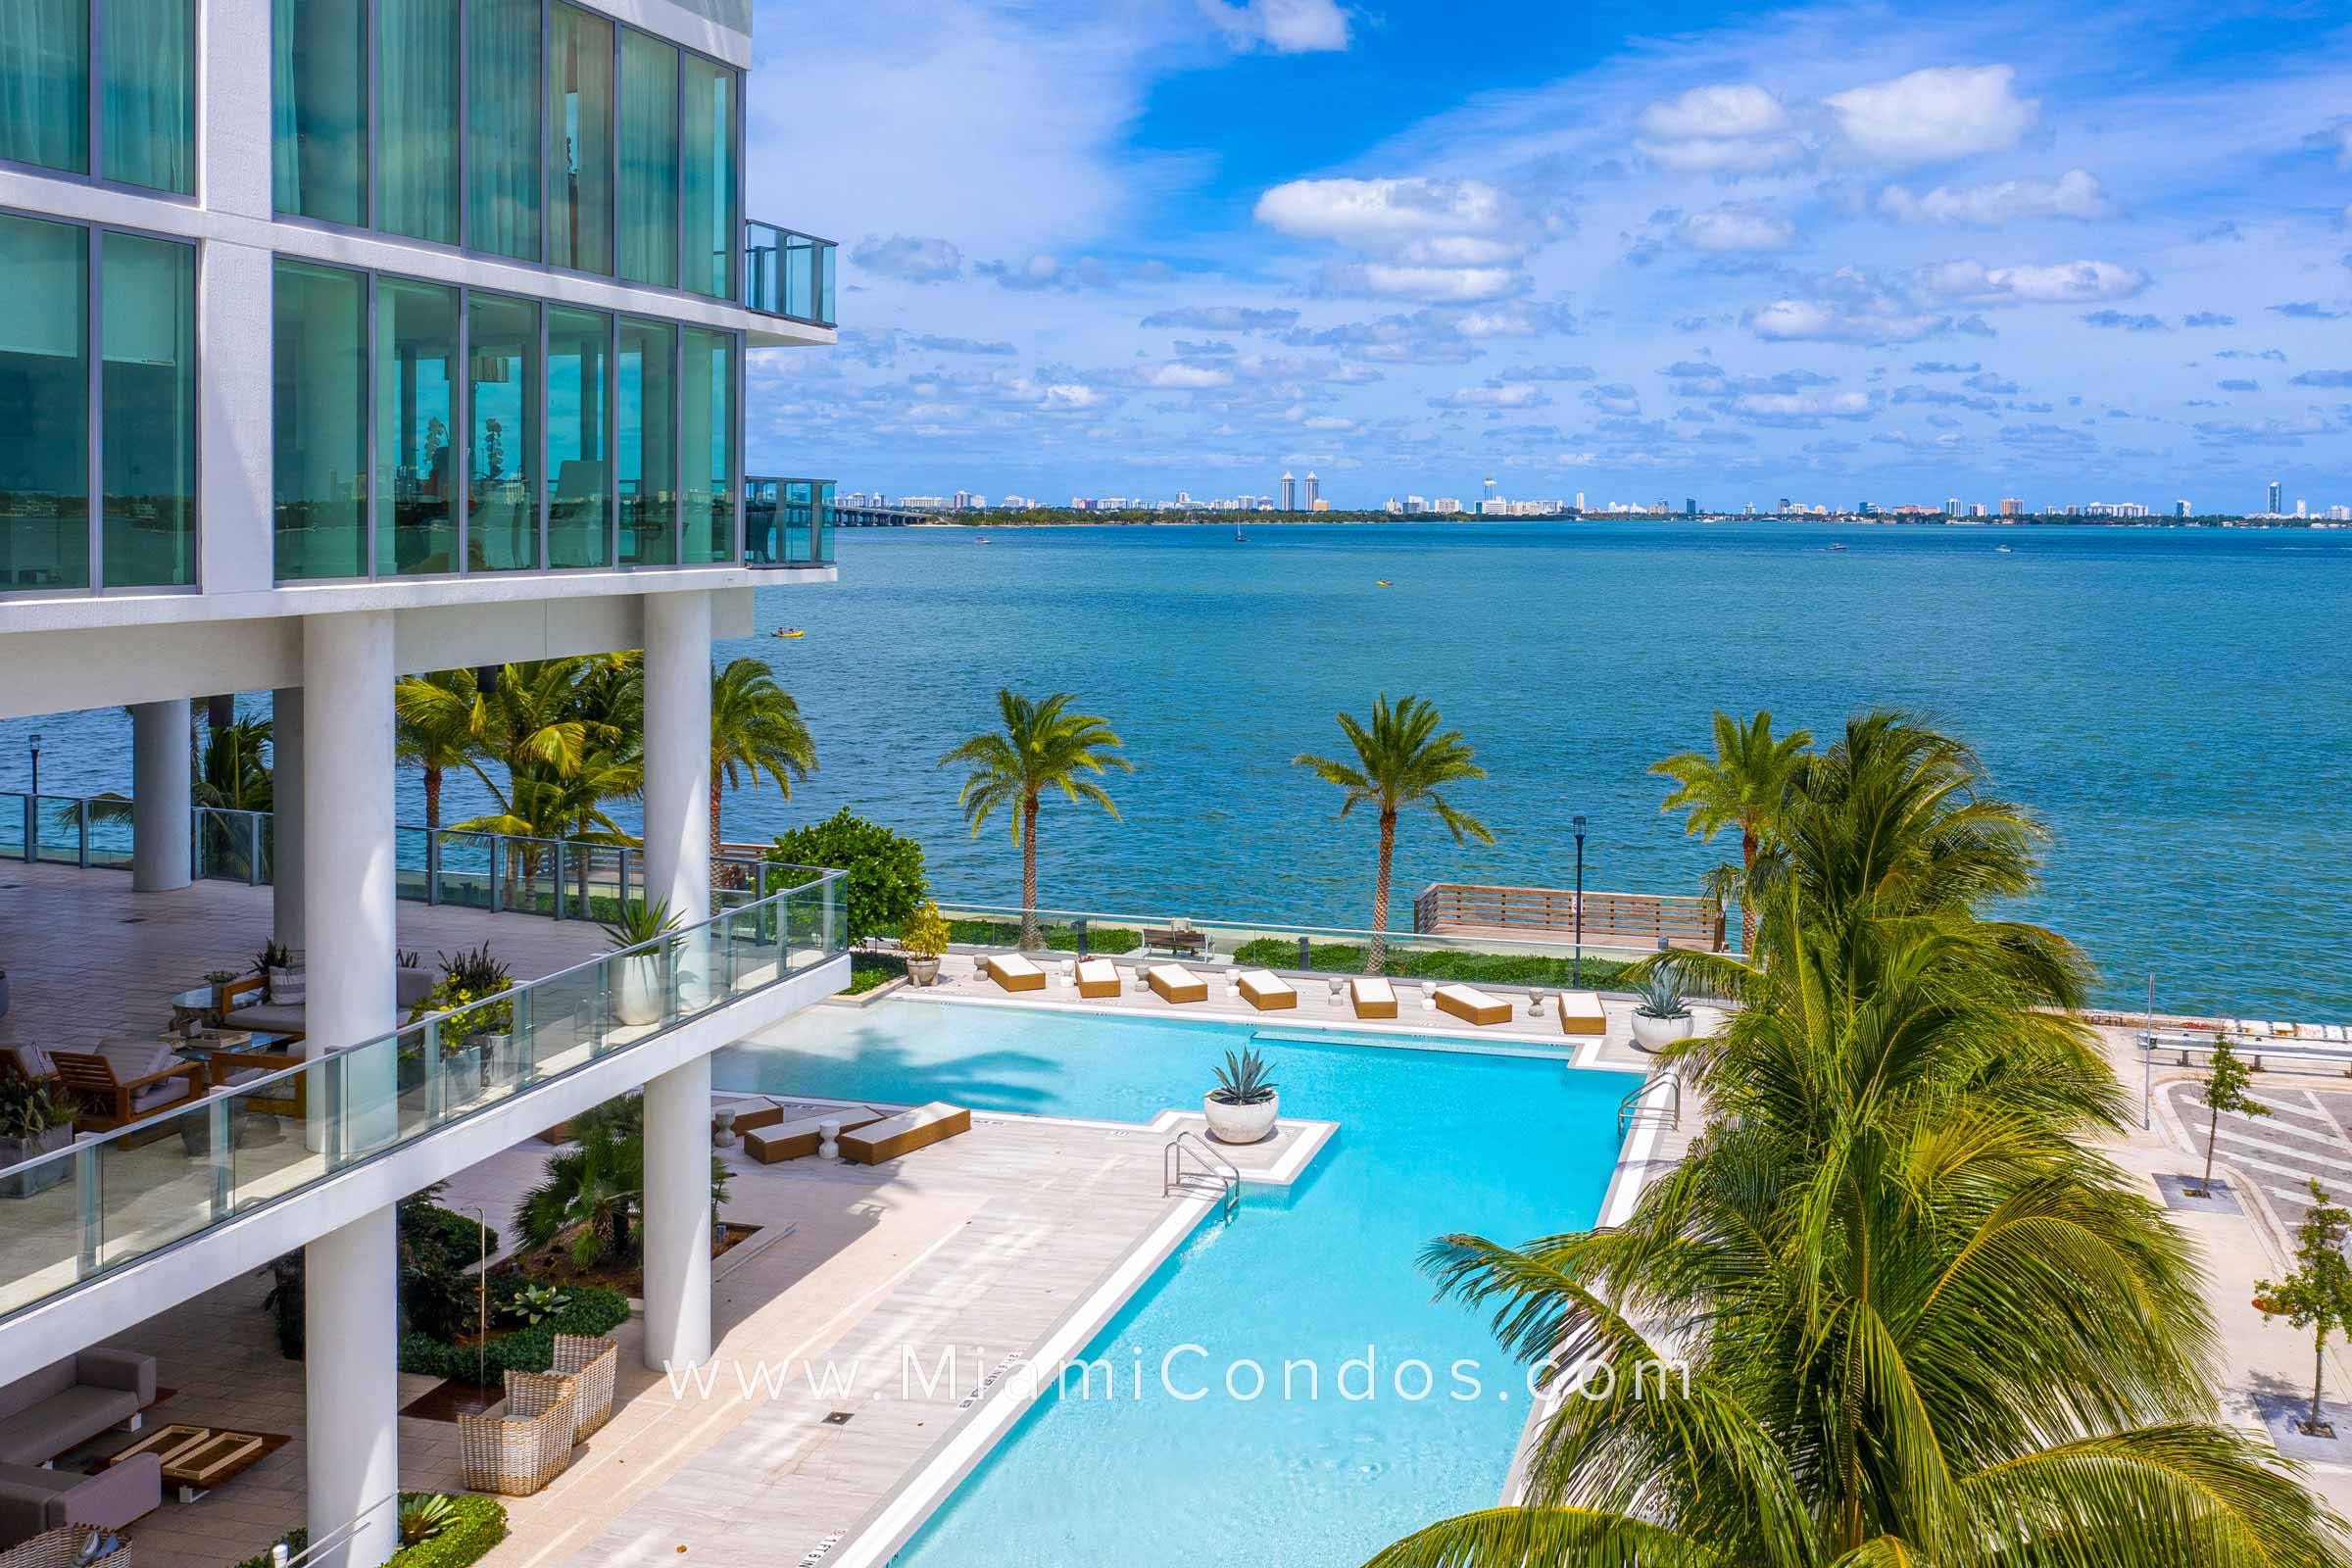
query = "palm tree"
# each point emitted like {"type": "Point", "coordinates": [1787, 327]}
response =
{"type": "Point", "coordinates": [1401, 763]}
{"type": "Point", "coordinates": [1740, 786]}
{"type": "Point", "coordinates": [598, 1186]}
{"type": "Point", "coordinates": [435, 728]}
{"type": "Point", "coordinates": [1042, 746]}
{"type": "Point", "coordinates": [754, 727]}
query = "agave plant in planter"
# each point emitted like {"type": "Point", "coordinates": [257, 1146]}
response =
{"type": "Point", "coordinates": [34, 1120]}
{"type": "Point", "coordinates": [1241, 1108]}
{"type": "Point", "coordinates": [638, 993]}
{"type": "Point", "coordinates": [1662, 1014]}
{"type": "Point", "coordinates": [923, 942]}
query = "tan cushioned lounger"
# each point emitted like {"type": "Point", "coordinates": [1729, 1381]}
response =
{"type": "Point", "coordinates": [1581, 1013]}
{"type": "Point", "coordinates": [1175, 983]}
{"type": "Point", "coordinates": [1017, 973]}
{"type": "Point", "coordinates": [1267, 992]}
{"type": "Point", "coordinates": [798, 1139]}
{"type": "Point", "coordinates": [906, 1133]}
{"type": "Point", "coordinates": [1098, 978]}
{"type": "Point", "coordinates": [1472, 1005]}
{"type": "Point", "coordinates": [1372, 996]}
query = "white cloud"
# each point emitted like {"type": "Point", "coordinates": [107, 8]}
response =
{"type": "Point", "coordinates": [1858, 316]}
{"type": "Point", "coordinates": [1432, 285]}
{"type": "Point", "coordinates": [1283, 26]}
{"type": "Point", "coordinates": [1730, 127]}
{"type": "Point", "coordinates": [2077, 193]}
{"type": "Point", "coordinates": [1440, 241]}
{"type": "Point", "coordinates": [1803, 405]}
{"type": "Point", "coordinates": [1929, 115]}
{"type": "Point", "coordinates": [1188, 377]}
{"type": "Point", "coordinates": [1506, 395]}
{"type": "Point", "coordinates": [1737, 227]}
{"type": "Point", "coordinates": [2066, 283]}
{"type": "Point", "coordinates": [909, 258]}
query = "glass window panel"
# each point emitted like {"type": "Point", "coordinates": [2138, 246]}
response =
{"type": "Point", "coordinates": [45, 407]}
{"type": "Point", "coordinates": [45, 83]}
{"type": "Point", "coordinates": [502, 529]}
{"type": "Point", "coordinates": [648, 160]}
{"type": "Point", "coordinates": [502, 138]}
{"type": "Point", "coordinates": [708, 442]}
{"type": "Point", "coordinates": [649, 452]}
{"type": "Point", "coordinates": [416, 116]}
{"type": "Point", "coordinates": [579, 142]}
{"type": "Point", "coordinates": [320, 398]}
{"type": "Point", "coordinates": [320, 110]}
{"type": "Point", "coordinates": [147, 93]}
{"type": "Point", "coordinates": [415, 427]}
{"type": "Point", "coordinates": [147, 390]}
{"type": "Point", "coordinates": [710, 227]}
{"type": "Point", "coordinates": [579, 393]}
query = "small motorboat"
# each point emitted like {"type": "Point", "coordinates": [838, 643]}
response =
{"type": "Point", "coordinates": [1835, 547]}
{"type": "Point", "coordinates": [2002, 550]}
{"type": "Point", "coordinates": [790, 631]}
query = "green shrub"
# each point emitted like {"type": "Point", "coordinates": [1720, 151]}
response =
{"type": "Point", "coordinates": [480, 1523]}
{"type": "Point", "coordinates": [1474, 969]}
{"type": "Point", "coordinates": [887, 881]}
{"type": "Point", "coordinates": [1106, 939]}
{"type": "Point", "coordinates": [870, 969]}
{"type": "Point", "coordinates": [592, 1310]}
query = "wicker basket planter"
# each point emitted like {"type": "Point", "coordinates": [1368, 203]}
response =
{"type": "Point", "coordinates": [590, 1363]}
{"type": "Point", "coordinates": [516, 1454]}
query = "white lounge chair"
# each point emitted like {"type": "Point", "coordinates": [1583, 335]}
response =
{"type": "Point", "coordinates": [1581, 1013]}
{"type": "Point", "coordinates": [1098, 977]}
{"type": "Point", "coordinates": [1472, 1005]}
{"type": "Point", "coordinates": [1372, 996]}
{"type": "Point", "coordinates": [1013, 973]}
{"type": "Point", "coordinates": [1174, 983]}
{"type": "Point", "coordinates": [1267, 991]}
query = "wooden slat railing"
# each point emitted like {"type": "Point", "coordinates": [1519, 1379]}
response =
{"type": "Point", "coordinates": [1611, 919]}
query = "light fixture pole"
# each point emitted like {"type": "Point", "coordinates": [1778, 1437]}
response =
{"type": "Point", "coordinates": [36, 763]}
{"type": "Point", "coordinates": [1580, 904]}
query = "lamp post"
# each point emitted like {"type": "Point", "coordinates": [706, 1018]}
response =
{"type": "Point", "coordinates": [36, 763]}
{"type": "Point", "coordinates": [1580, 904]}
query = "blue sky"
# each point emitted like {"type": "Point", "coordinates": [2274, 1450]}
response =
{"type": "Point", "coordinates": [1831, 252]}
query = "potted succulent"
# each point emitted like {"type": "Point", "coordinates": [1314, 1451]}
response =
{"type": "Point", "coordinates": [1660, 1014]}
{"type": "Point", "coordinates": [923, 942]}
{"type": "Point", "coordinates": [638, 994]}
{"type": "Point", "coordinates": [1242, 1107]}
{"type": "Point", "coordinates": [34, 1120]}
{"type": "Point", "coordinates": [275, 964]}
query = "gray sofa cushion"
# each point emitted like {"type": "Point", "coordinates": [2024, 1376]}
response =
{"type": "Point", "coordinates": [35, 1387]}
{"type": "Point", "coordinates": [33, 1499]}
{"type": "Point", "coordinates": [70, 1401]}
{"type": "Point", "coordinates": [266, 1018]}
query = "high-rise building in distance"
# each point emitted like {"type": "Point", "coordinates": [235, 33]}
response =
{"type": "Point", "coordinates": [2277, 491]}
{"type": "Point", "coordinates": [1952, 506]}
{"type": "Point", "coordinates": [2012, 507]}
{"type": "Point", "coordinates": [2180, 508]}
{"type": "Point", "coordinates": [1289, 493]}
{"type": "Point", "coordinates": [1314, 489]}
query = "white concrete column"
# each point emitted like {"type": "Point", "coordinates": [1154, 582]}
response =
{"type": "Point", "coordinates": [286, 824]}
{"type": "Point", "coordinates": [678, 868]}
{"type": "Point", "coordinates": [677, 753]}
{"type": "Point", "coordinates": [351, 1387]}
{"type": "Point", "coordinates": [161, 797]}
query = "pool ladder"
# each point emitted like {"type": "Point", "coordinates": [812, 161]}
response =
{"type": "Point", "coordinates": [1189, 1165]}
{"type": "Point", "coordinates": [1639, 1109]}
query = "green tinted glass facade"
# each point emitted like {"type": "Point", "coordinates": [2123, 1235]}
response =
{"type": "Point", "coordinates": [417, 118]}
{"type": "Point", "coordinates": [319, 408]}
{"type": "Point", "coordinates": [503, 393]}
{"type": "Point", "coordinates": [712, 235]}
{"type": "Point", "coordinates": [706, 443]}
{"type": "Point", "coordinates": [579, 411]}
{"type": "Point", "coordinates": [648, 425]}
{"type": "Point", "coordinates": [318, 117]}
{"type": "Point", "coordinates": [45, 407]}
{"type": "Point", "coordinates": [648, 161]}
{"type": "Point", "coordinates": [416, 428]}
{"type": "Point", "coordinates": [147, 404]}
{"type": "Point", "coordinates": [579, 142]}
{"type": "Point", "coordinates": [502, 128]}
{"type": "Point", "coordinates": [147, 93]}
{"type": "Point", "coordinates": [45, 83]}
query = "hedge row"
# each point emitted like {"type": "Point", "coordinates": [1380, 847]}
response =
{"type": "Point", "coordinates": [592, 1310]}
{"type": "Point", "coordinates": [480, 1523]}
{"type": "Point", "coordinates": [1408, 963]}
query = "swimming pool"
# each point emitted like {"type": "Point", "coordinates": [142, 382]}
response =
{"type": "Point", "coordinates": [1431, 1141]}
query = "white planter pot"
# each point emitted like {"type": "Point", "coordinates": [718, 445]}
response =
{"type": "Point", "coordinates": [922, 971]}
{"type": "Point", "coordinates": [638, 1002]}
{"type": "Point", "coordinates": [1240, 1124]}
{"type": "Point", "coordinates": [1656, 1034]}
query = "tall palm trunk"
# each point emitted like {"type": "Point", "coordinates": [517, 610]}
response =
{"type": "Point", "coordinates": [1376, 961]}
{"type": "Point", "coordinates": [432, 823]}
{"type": "Point", "coordinates": [1748, 914]}
{"type": "Point", "coordinates": [1029, 942]}
{"type": "Point", "coordinates": [717, 786]}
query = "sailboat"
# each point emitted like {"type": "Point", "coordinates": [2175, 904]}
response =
{"type": "Point", "coordinates": [1239, 538]}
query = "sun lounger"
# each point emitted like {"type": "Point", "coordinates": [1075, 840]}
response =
{"type": "Point", "coordinates": [906, 1133]}
{"type": "Point", "coordinates": [1372, 996]}
{"type": "Point", "coordinates": [1581, 1013]}
{"type": "Point", "coordinates": [771, 1141]}
{"type": "Point", "coordinates": [1015, 973]}
{"type": "Point", "coordinates": [1472, 1005]}
{"type": "Point", "coordinates": [1173, 982]}
{"type": "Point", "coordinates": [1267, 992]}
{"type": "Point", "coordinates": [1098, 977]}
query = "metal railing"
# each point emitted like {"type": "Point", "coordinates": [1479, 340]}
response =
{"type": "Point", "coordinates": [1213, 1167]}
{"type": "Point", "coordinates": [787, 273]}
{"type": "Point", "coordinates": [1638, 1110]}
{"type": "Point", "coordinates": [109, 1200]}
{"type": "Point", "coordinates": [787, 523]}
{"type": "Point", "coordinates": [1628, 919]}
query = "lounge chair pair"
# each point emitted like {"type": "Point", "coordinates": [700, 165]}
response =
{"type": "Point", "coordinates": [869, 1136]}
{"type": "Point", "coordinates": [1373, 997]}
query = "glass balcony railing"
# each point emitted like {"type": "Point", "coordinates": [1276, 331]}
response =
{"type": "Point", "coordinates": [788, 275]}
{"type": "Point", "coordinates": [787, 523]}
{"type": "Point", "coordinates": [71, 1216]}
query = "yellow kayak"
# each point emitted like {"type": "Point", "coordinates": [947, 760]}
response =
{"type": "Point", "coordinates": [790, 631]}
{"type": "Point", "coordinates": [1383, 583]}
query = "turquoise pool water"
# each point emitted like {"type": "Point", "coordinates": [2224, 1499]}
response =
{"type": "Point", "coordinates": [1432, 1141]}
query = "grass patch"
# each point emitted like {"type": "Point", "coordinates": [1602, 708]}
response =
{"type": "Point", "coordinates": [1472, 968]}
{"type": "Point", "coordinates": [480, 1523]}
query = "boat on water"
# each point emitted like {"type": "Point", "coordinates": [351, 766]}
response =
{"type": "Point", "coordinates": [1383, 582]}
{"type": "Point", "coordinates": [790, 631]}
{"type": "Point", "coordinates": [1837, 547]}
{"type": "Point", "coordinates": [2003, 550]}
{"type": "Point", "coordinates": [1239, 538]}
{"type": "Point", "coordinates": [983, 539]}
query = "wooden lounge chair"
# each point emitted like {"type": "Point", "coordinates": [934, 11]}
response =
{"type": "Point", "coordinates": [122, 1082]}
{"type": "Point", "coordinates": [1174, 983]}
{"type": "Point", "coordinates": [1472, 1005]}
{"type": "Point", "coordinates": [1098, 977]}
{"type": "Point", "coordinates": [1372, 996]}
{"type": "Point", "coordinates": [1015, 973]}
{"type": "Point", "coordinates": [906, 1133]}
{"type": "Point", "coordinates": [771, 1140]}
{"type": "Point", "coordinates": [1267, 992]}
{"type": "Point", "coordinates": [1581, 1013]}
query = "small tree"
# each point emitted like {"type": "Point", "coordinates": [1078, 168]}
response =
{"type": "Point", "coordinates": [2225, 1091]}
{"type": "Point", "coordinates": [887, 882]}
{"type": "Point", "coordinates": [2317, 1295]}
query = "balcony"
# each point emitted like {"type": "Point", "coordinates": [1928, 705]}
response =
{"type": "Point", "coordinates": [787, 523]}
{"type": "Point", "coordinates": [788, 275]}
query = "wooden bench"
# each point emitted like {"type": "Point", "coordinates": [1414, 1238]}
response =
{"type": "Point", "coordinates": [906, 1133]}
{"type": "Point", "coordinates": [1177, 943]}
